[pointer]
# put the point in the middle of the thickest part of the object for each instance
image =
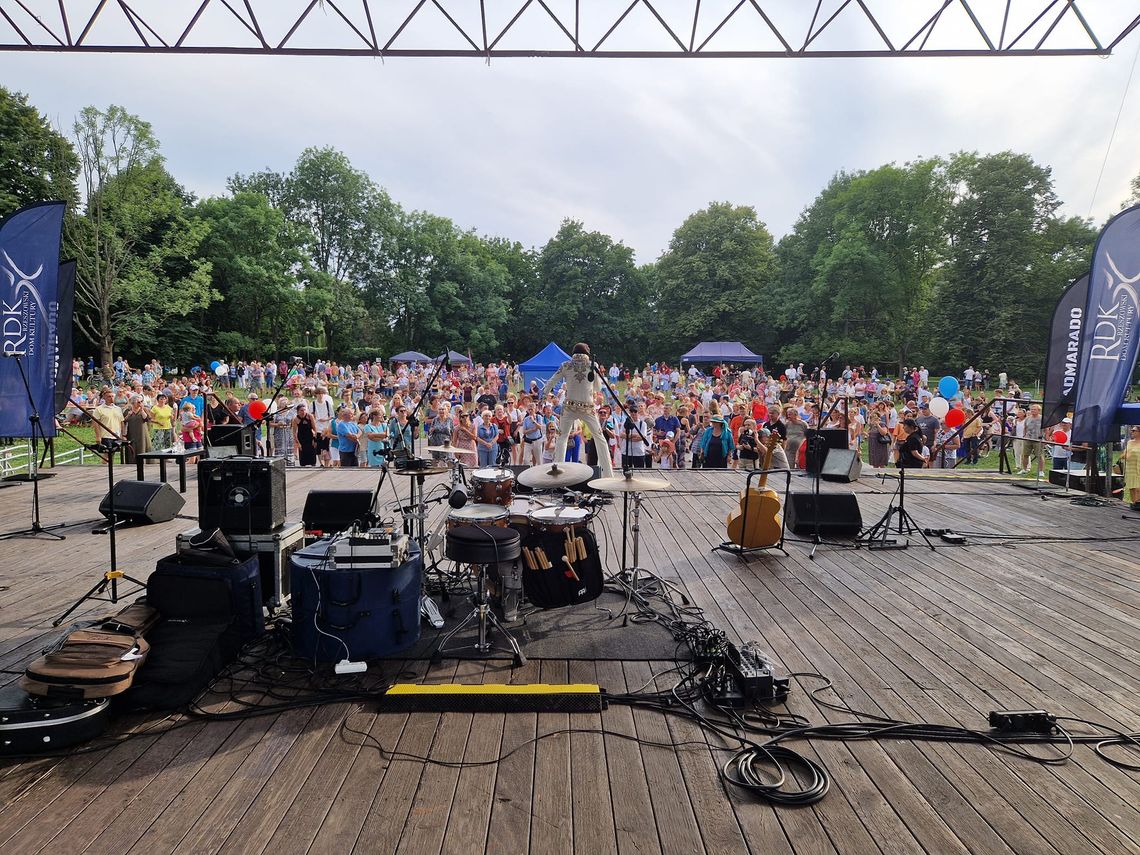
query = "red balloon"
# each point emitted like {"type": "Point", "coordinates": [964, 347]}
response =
{"type": "Point", "coordinates": [955, 418]}
{"type": "Point", "coordinates": [762, 413]}
{"type": "Point", "coordinates": [1060, 436]}
{"type": "Point", "coordinates": [257, 409]}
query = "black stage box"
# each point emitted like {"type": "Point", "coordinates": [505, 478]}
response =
{"type": "Point", "coordinates": [244, 495]}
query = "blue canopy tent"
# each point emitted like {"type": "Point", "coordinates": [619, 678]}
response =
{"type": "Point", "coordinates": [543, 364]}
{"type": "Point", "coordinates": [723, 351]}
{"type": "Point", "coordinates": [409, 356]}
{"type": "Point", "coordinates": [456, 358]}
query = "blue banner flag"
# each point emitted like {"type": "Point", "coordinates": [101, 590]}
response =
{"type": "Point", "coordinates": [29, 283]}
{"type": "Point", "coordinates": [1063, 358]}
{"type": "Point", "coordinates": [1109, 340]}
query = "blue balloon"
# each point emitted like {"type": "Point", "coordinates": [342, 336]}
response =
{"type": "Point", "coordinates": [214, 365]}
{"type": "Point", "coordinates": [948, 387]}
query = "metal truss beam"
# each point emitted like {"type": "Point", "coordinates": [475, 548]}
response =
{"type": "Point", "coordinates": [739, 29]}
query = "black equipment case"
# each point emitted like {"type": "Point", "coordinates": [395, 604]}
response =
{"type": "Point", "coordinates": [29, 724]}
{"type": "Point", "coordinates": [353, 614]}
{"type": "Point", "coordinates": [184, 587]}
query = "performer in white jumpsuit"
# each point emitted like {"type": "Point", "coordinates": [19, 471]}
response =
{"type": "Point", "coordinates": [582, 383]}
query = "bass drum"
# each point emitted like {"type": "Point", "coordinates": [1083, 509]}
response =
{"type": "Point", "coordinates": [491, 486]}
{"type": "Point", "coordinates": [486, 515]}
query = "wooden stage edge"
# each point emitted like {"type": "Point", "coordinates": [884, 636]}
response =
{"type": "Point", "coordinates": [1040, 610]}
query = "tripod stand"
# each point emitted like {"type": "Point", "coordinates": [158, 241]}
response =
{"type": "Point", "coordinates": [111, 577]}
{"type": "Point", "coordinates": [878, 535]}
{"type": "Point", "coordinates": [36, 528]}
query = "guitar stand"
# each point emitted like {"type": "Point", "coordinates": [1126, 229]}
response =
{"type": "Point", "coordinates": [879, 536]}
{"type": "Point", "coordinates": [744, 551]}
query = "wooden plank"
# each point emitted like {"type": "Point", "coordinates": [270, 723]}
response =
{"type": "Point", "coordinates": [593, 804]}
{"type": "Point", "coordinates": [510, 822]}
{"type": "Point", "coordinates": [552, 818]}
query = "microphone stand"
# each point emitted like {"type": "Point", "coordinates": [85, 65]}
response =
{"type": "Point", "coordinates": [817, 453]}
{"type": "Point", "coordinates": [111, 577]}
{"type": "Point", "coordinates": [36, 528]}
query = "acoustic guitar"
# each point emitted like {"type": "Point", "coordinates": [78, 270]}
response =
{"type": "Point", "coordinates": [763, 524]}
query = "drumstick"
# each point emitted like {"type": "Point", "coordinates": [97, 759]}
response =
{"type": "Point", "coordinates": [581, 548]}
{"type": "Point", "coordinates": [570, 569]}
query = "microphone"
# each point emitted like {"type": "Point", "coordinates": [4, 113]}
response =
{"type": "Point", "coordinates": [458, 497]}
{"type": "Point", "coordinates": [13, 353]}
{"type": "Point", "coordinates": [834, 355]}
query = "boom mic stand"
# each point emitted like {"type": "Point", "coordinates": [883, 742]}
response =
{"type": "Point", "coordinates": [109, 445]}
{"type": "Point", "coordinates": [36, 528]}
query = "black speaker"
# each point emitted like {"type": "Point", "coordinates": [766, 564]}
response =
{"type": "Point", "coordinates": [842, 464]}
{"type": "Point", "coordinates": [838, 514]}
{"type": "Point", "coordinates": [142, 502]}
{"type": "Point", "coordinates": [820, 443]}
{"type": "Point", "coordinates": [236, 439]}
{"type": "Point", "coordinates": [329, 511]}
{"type": "Point", "coordinates": [241, 494]}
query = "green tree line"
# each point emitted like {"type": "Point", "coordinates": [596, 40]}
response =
{"type": "Point", "coordinates": [943, 261]}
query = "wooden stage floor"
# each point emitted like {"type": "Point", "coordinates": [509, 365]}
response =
{"type": "Point", "coordinates": [940, 636]}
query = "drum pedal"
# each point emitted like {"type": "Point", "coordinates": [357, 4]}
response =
{"type": "Point", "coordinates": [430, 612]}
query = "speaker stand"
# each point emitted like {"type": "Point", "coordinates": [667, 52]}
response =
{"type": "Point", "coordinates": [879, 536]}
{"type": "Point", "coordinates": [111, 577]}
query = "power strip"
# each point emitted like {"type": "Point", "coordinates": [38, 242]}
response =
{"type": "Point", "coordinates": [1023, 721]}
{"type": "Point", "coordinates": [346, 667]}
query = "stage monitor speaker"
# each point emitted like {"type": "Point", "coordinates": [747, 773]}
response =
{"type": "Point", "coordinates": [830, 438]}
{"type": "Point", "coordinates": [842, 464]}
{"type": "Point", "coordinates": [230, 441]}
{"type": "Point", "coordinates": [329, 511]}
{"type": "Point", "coordinates": [142, 502]}
{"type": "Point", "coordinates": [244, 495]}
{"type": "Point", "coordinates": [838, 514]}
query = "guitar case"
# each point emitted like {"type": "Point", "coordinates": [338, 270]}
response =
{"type": "Point", "coordinates": [30, 724]}
{"type": "Point", "coordinates": [556, 588]}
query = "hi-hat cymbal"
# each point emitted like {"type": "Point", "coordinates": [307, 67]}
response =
{"type": "Point", "coordinates": [629, 484]}
{"type": "Point", "coordinates": [555, 475]}
{"type": "Point", "coordinates": [450, 449]}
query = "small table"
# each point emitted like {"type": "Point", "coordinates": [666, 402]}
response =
{"type": "Point", "coordinates": [162, 457]}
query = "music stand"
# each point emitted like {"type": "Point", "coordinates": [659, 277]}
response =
{"type": "Point", "coordinates": [34, 475]}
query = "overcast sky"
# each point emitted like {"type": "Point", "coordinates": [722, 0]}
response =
{"type": "Point", "coordinates": [629, 147]}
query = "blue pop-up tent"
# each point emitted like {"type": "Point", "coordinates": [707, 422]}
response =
{"type": "Point", "coordinates": [543, 364]}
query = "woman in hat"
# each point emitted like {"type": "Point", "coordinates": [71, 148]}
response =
{"type": "Point", "coordinates": [1130, 460]}
{"type": "Point", "coordinates": [716, 445]}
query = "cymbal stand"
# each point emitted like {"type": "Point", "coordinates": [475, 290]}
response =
{"type": "Point", "coordinates": [878, 535]}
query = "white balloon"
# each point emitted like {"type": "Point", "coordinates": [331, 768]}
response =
{"type": "Point", "coordinates": [221, 370]}
{"type": "Point", "coordinates": [939, 407]}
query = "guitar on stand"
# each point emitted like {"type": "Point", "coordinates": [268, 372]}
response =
{"type": "Point", "coordinates": [758, 524]}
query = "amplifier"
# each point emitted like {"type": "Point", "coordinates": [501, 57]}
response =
{"type": "Point", "coordinates": [837, 515]}
{"type": "Point", "coordinates": [378, 549]}
{"type": "Point", "coordinates": [242, 495]}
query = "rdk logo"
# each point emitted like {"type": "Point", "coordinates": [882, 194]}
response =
{"type": "Point", "coordinates": [1114, 326]}
{"type": "Point", "coordinates": [14, 326]}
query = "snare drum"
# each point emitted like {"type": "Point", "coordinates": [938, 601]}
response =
{"type": "Point", "coordinates": [492, 515]}
{"type": "Point", "coordinates": [492, 486]}
{"type": "Point", "coordinates": [522, 507]}
{"type": "Point", "coordinates": [558, 519]}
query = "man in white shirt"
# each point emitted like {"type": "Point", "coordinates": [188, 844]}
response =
{"type": "Point", "coordinates": [324, 411]}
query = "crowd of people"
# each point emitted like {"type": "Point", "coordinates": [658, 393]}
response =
{"type": "Point", "coordinates": [656, 415]}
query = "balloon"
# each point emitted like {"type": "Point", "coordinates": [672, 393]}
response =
{"type": "Point", "coordinates": [257, 409]}
{"type": "Point", "coordinates": [948, 387]}
{"type": "Point", "coordinates": [194, 369]}
{"type": "Point", "coordinates": [1060, 436]}
{"type": "Point", "coordinates": [939, 407]}
{"type": "Point", "coordinates": [762, 413]}
{"type": "Point", "coordinates": [220, 371]}
{"type": "Point", "coordinates": [214, 365]}
{"type": "Point", "coordinates": [955, 418]}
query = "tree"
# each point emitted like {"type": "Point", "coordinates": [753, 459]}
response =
{"type": "Point", "coordinates": [1009, 259]}
{"type": "Point", "coordinates": [590, 290]}
{"type": "Point", "coordinates": [255, 256]}
{"type": "Point", "coordinates": [37, 164]}
{"type": "Point", "coordinates": [135, 245]}
{"type": "Point", "coordinates": [1134, 197]}
{"type": "Point", "coordinates": [714, 278]}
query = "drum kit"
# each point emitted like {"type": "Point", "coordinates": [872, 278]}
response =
{"type": "Point", "coordinates": [508, 542]}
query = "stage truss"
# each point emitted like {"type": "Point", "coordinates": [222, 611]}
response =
{"type": "Point", "coordinates": [572, 28]}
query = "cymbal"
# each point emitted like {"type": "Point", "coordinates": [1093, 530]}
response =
{"type": "Point", "coordinates": [629, 484]}
{"type": "Point", "coordinates": [449, 449]}
{"type": "Point", "coordinates": [427, 470]}
{"type": "Point", "coordinates": [555, 475]}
